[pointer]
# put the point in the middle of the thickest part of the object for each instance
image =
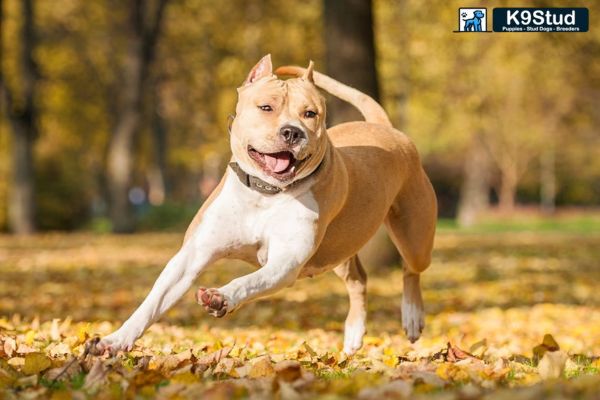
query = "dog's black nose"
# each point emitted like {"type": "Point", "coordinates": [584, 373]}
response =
{"type": "Point", "coordinates": [292, 134]}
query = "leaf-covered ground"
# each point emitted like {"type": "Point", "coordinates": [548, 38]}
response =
{"type": "Point", "coordinates": [490, 300]}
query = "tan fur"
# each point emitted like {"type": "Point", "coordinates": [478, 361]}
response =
{"type": "Point", "coordinates": [370, 174]}
{"type": "Point", "coordinates": [338, 186]}
{"type": "Point", "coordinates": [368, 107]}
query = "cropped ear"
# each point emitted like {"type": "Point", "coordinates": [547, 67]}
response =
{"type": "Point", "coordinates": [308, 73]}
{"type": "Point", "coordinates": [263, 68]}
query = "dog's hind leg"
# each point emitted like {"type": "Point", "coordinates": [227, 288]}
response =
{"type": "Point", "coordinates": [355, 278]}
{"type": "Point", "coordinates": [411, 225]}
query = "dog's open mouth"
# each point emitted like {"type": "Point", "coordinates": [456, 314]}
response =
{"type": "Point", "coordinates": [281, 165]}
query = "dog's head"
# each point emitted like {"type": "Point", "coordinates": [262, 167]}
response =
{"type": "Point", "coordinates": [278, 133]}
{"type": "Point", "coordinates": [478, 14]}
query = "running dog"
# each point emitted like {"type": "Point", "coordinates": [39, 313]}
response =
{"type": "Point", "coordinates": [299, 200]}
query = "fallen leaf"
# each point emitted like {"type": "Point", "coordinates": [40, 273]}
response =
{"type": "Point", "coordinates": [7, 373]}
{"type": "Point", "coordinates": [16, 361]}
{"type": "Point", "coordinates": [29, 337]}
{"type": "Point", "coordinates": [261, 367]}
{"type": "Point", "coordinates": [26, 382]}
{"type": "Point", "coordinates": [288, 370]}
{"type": "Point", "coordinates": [396, 389]}
{"type": "Point", "coordinates": [309, 350]}
{"type": "Point", "coordinates": [287, 391]}
{"type": "Point", "coordinates": [428, 378]}
{"type": "Point", "coordinates": [478, 348]}
{"type": "Point", "coordinates": [214, 357]}
{"type": "Point", "coordinates": [36, 363]}
{"type": "Point", "coordinates": [58, 349]}
{"type": "Point", "coordinates": [454, 353]}
{"type": "Point", "coordinates": [225, 366]}
{"type": "Point", "coordinates": [552, 364]}
{"type": "Point", "coordinates": [55, 330]}
{"type": "Point", "coordinates": [452, 372]}
{"type": "Point", "coordinates": [9, 346]}
{"type": "Point", "coordinates": [65, 372]}
{"type": "Point", "coordinates": [25, 349]}
{"type": "Point", "coordinates": [83, 333]}
{"type": "Point", "coordinates": [548, 344]}
{"type": "Point", "coordinates": [169, 363]}
{"type": "Point", "coordinates": [96, 376]}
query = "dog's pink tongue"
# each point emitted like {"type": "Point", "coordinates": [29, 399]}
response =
{"type": "Point", "coordinates": [278, 162]}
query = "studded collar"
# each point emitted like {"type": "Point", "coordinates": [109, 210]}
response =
{"type": "Point", "coordinates": [257, 184]}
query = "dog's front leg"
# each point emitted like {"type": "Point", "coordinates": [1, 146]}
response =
{"type": "Point", "coordinates": [177, 277]}
{"type": "Point", "coordinates": [281, 270]}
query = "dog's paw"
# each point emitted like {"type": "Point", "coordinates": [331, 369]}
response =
{"type": "Point", "coordinates": [412, 320]}
{"type": "Point", "coordinates": [111, 344]}
{"type": "Point", "coordinates": [213, 301]}
{"type": "Point", "coordinates": [353, 337]}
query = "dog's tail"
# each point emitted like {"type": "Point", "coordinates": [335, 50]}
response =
{"type": "Point", "coordinates": [367, 106]}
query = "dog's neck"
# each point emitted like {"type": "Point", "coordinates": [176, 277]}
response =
{"type": "Point", "coordinates": [257, 184]}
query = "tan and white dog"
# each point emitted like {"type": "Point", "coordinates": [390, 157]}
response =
{"type": "Point", "coordinates": [299, 200]}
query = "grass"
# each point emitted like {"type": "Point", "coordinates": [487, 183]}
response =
{"type": "Point", "coordinates": [586, 223]}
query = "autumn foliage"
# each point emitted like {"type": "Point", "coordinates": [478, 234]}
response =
{"type": "Point", "coordinates": [506, 313]}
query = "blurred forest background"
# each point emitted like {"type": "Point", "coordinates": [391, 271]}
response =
{"type": "Point", "coordinates": [114, 113]}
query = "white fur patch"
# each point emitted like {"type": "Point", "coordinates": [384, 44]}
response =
{"type": "Point", "coordinates": [412, 319]}
{"type": "Point", "coordinates": [353, 336]}
{"type": "Point", "coordinates": [282, 226]}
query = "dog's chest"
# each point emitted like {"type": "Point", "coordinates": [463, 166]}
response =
{"type": "Point", "coordinates": [260, 221]}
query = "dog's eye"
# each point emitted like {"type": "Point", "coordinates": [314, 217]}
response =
{"type": "Point", "coordinates": [266, 108]}
{"type": "Point", "coordinates": [309, 114]}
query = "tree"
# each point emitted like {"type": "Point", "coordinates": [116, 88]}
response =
{"type": "Point", "coordinates": [143, 30]}
{"type": "Point", "coordinates": [474, 191]}
{"type": "Point", "coordinates": [350, 54]}
{"type": "Point", "coordinates": [22, 115]}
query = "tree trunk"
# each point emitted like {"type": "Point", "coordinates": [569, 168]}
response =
{"type": "Point", "coordinates": [350, 54]}
{"type": "Point", "coordinates": [508, 188]}
{"type": "Point", "coordinates": [21, 206]}
{"type": "Point", "coordinates": [120, 151]}
{"type": "Point", "coordinates": [157, 184]}
{"type": "Point", "coordinates": [474, 193]}
{"type": "Point", "coordinates": [548, 181]}
{"type": "Point", "coordinates": [142, 36]}
{"type": "Point", "coordinates": [23, 119]}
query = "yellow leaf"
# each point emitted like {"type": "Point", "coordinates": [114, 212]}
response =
{"type": "Point", "coordinates": [83, 333]}
{"type": "Point", "coordinates": [309, 350]}
{"type": "Point", "coordinates": [390, 360]}
{"type": "Point", "coordinates": [452, 372]}
{"type": "Point", "coordinates": [478, 348]}
{"type": "Point", "coordinates": [185, 378]}
{"type": "Point", "coordinates": [36, 363]}
{"type": "Point", "coordinates": [261, 367]}
{"type": "Point", "coordinates": [7, 374]}
{"type": "Point", "coordinates": [29, 337]}
{"type": "Point", "coordinates": [61, 395]}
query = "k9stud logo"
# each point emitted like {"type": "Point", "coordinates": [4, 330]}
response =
{"type": "Point", "coordinates": [541, 19]}
{"type": "Point", "coordinates": [472, 19]}
{"type": "Point", "coordinates": [522, 19]}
